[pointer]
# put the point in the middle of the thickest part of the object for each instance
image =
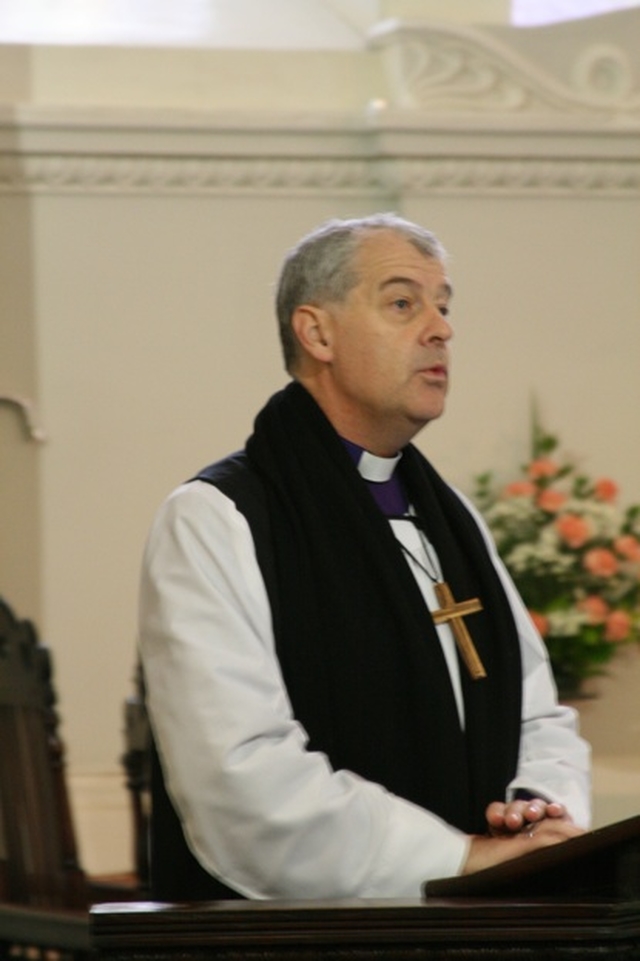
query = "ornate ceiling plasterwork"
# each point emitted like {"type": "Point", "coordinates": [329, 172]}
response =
{"type": "Point", "coordinates": [437, 68]}
{"type": "Point", "coordinates": [464, 112]}
{"type": "Point", "coordinates": [388, 177]}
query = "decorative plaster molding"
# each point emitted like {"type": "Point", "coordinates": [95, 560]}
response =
{"type": "Point", "coordinates": [468, 113]}
{"type": "Point", "coordinates": [461, 69]}
{"type": "Point", "coordinates": [518, 176]}
{"type": "Point", "coordinates": [24, 409]}
{"type": "Point", "coordinates": [63, 173]}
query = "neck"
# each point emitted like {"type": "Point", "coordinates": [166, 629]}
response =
{"type": "Point", "coordinates": [383, 439]}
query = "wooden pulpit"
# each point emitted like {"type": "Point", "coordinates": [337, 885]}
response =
{"type": "Point", "coordinates": [574, 901]}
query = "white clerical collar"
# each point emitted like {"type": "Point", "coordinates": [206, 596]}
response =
{"type": "Point", "coordinates": [377, 469]}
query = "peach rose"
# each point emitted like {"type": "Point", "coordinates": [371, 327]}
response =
{"type": "Point", "coordinates": [573, 530]}
{"type": "Point", "coordinates": [600, 562]}
{"type": "Point", "coordinates": [550, 500]}
{"type": "Point", "coordinates": [540, 622]}
{"type": "Point", "coordinates": [617, 626]}
{"type": "Point", "coordinates": [543, 467]}
{"type": "Point", "coordinates": [519, 489]}
{"type": "Point", "coordinates": [628, 547]}
{"type": "Point", "coordinates": [605, 490]}
{"type": "Point", "coordinates": [595, 608]}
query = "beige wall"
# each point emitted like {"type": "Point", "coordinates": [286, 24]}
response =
{"type": "Point", "coordinates": [20, 541]}
{"type": "Point", "coordinates": [138, 248]}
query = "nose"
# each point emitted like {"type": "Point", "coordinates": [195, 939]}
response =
{"type": "Point", "coordinates": [436, 326]}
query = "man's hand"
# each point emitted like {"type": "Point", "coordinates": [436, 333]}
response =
{"type": "Point", "coordinates": [516, 828]}
{"type": "Point", "coordinates": [514, 816]}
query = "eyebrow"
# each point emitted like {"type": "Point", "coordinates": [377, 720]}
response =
{"type": "Point", "coordinates": [443, 290]}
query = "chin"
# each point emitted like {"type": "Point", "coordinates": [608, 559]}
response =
{"type": "Point", "coordinates": [434, 411]}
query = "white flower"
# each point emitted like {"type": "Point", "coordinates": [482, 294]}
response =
{"type": "Point", "coordinates": [566, 623]}
{"type": "Point", "coordinates": [604, 520]}
{"type": "Point", "coordinates": [542, 556]}
{"type": "Point", "coordinates": [511, 513]}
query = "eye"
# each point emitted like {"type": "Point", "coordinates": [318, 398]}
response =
{"type": "Point", "coordinates": [443, 310]}
{"type": "Point", "coordinates": [403, 303]}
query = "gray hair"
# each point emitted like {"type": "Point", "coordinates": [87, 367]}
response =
{"type": "Point", "coordinates": [319, 269]}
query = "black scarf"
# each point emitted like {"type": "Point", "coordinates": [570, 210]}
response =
{"type": "Point", "coordinates": [359, 653]}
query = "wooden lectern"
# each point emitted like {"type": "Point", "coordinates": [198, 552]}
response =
{"type": "Point", "coordinates": [603, 864]}
{"type": "Point", "coordinates": [574, 901]}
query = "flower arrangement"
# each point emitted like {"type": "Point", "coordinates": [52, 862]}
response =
{"type": "Point", "coordinates": [573, 554]}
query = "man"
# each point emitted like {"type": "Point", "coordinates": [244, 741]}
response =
{"type": "Point", "coordinates": [323, 731]}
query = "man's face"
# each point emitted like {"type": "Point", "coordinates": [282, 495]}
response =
{"type": "Point", "coordinates": [389, 344]}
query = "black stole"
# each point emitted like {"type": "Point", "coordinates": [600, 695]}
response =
{"type": "Point", "coordinates": [358, 649]}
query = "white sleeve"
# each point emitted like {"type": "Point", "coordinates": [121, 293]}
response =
{"type": "Point", "coordinates": [554, 762]}
{"type": "Point", "coordinates": [259, 810]}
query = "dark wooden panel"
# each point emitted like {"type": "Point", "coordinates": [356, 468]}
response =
{"type": "Point", "coordinates": [487, 930]}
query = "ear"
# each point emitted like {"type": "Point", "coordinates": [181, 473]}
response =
{"type": "Point", "coordinates": [313, 328]}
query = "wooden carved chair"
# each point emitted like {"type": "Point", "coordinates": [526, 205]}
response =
{"type": "Point", "coordinates": [41, 861]}
{"type": "Point", "coordinates": [41, 880]}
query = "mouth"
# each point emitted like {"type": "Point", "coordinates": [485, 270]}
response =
{"type": "Point", "coordinates": [436, 371]}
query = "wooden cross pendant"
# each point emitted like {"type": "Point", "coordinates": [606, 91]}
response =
{"type": "Point", "coordinates": [452, 612]}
